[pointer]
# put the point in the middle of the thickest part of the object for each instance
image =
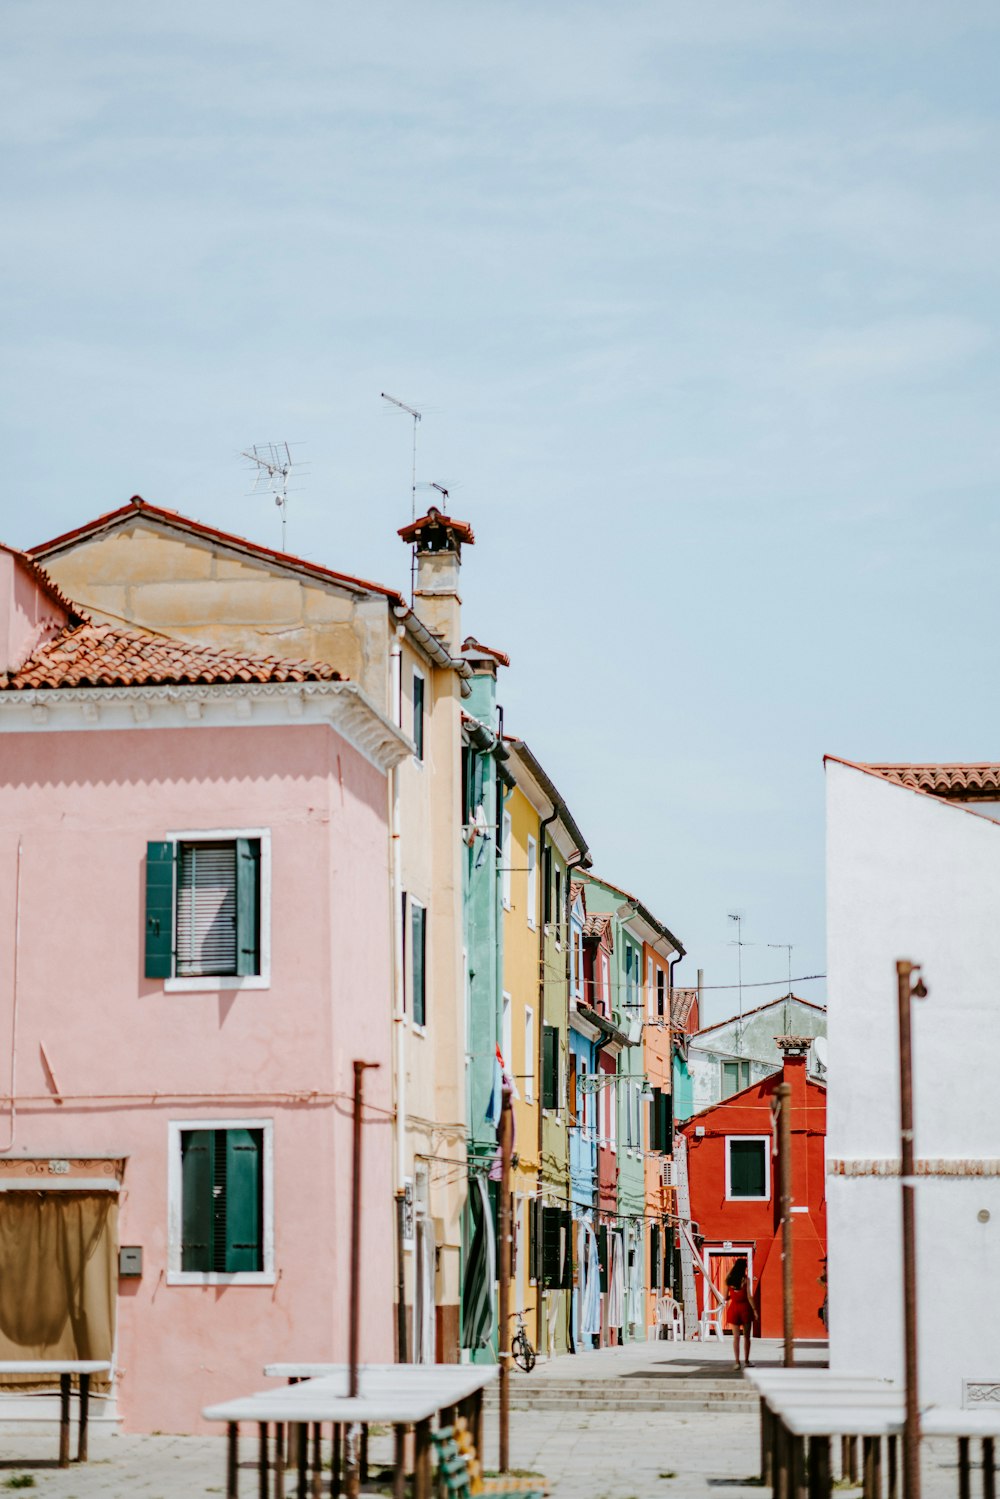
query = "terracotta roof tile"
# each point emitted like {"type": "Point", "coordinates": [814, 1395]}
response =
{"type": "Point", "coordinates": [682, 1002]}
{"type": "Point", "coordinates": [90, 655]}
{"type": "Point", "coordinates": [960, 782]}
{"type": "Point", "coordinates": [473, 647]}
{"type": "Point", "coordinates": [435, 521]}
{"type": "Point", "coordinates": [599, 924]}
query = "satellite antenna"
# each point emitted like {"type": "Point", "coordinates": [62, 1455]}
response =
{"type": "Point", "coordinates": [737, 916]}
{"type": "Point", "coordinates": [820, 1051]}
{"type": "Point", "coordinates": [417, 418]}
{"type": "Point", "coordinates": [273, 462]}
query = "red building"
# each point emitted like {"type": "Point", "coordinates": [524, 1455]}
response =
{"type": "Point", "coordinates": [734, 1191]}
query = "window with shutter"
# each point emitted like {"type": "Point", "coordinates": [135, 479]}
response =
{"type": "Point", "coordinates": [602, 1255]}
{"type": "Point", "coordinates": [654, 1257]}
{"type": "Point", "coordinates": [550, 1067]}
{"type": "Point", "coordinates": [747, 1167]}
{"type": "Point", "coordinates": [571, 1102]}
{"type": "Point", "coordinates": [418, 715]}
{"type": "Point", "coordinates": [204, 909]}
{"type": "Point", "coordinates": [418, 946]}
{"type": "Point", "coordinates": [222, 1184]}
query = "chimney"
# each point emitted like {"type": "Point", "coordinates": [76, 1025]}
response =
{"type": "Point", "coordinates": [437, 540]}
{"type": "Point", "coordinates": [794, 1054]}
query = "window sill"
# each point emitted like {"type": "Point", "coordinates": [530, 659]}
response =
{"type": "Point", "coordinates": [730, 1198]}
{"type": "Point", "coordinates": [418, 1030]}
{"type": "Point", "coordinates": [209, 983]}
{"type": "Point", "coordinates": [220, 1278]}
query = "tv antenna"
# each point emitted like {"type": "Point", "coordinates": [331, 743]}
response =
{"type": "Point", "coordinates": [417, 418]}
{"type": "Point", "coordinates": [273, 462]}
{"type": "Point", "coordinates": [788, 1009]}
{"type": "Point", "coordinates": [738, 918]}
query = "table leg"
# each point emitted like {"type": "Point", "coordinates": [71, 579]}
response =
{"type": "Point", "coordinates": [364, 1454]}
{"type": "Point", "coordinates": [64, 1420]}
{"type": "Point", "coordinates": [964, 1484]}
{"type": "Point", "coordinates": [279, 1461]}
{"type": "Point", "coordinates": [335, 1461]}
{"type": "Point", "coordinates": [399, 1462]}
{"type": "Point", "coordinates": [422, 1462]}
{"type": "Point", "coordinates": [893, 1480]}
{"type": "Point", "coordinates": [262, 1434]}
{"type": "Point", "coordinates": [477, 1422]}
{"type": "Point", "coordinates": [852, 1459]}
{"type": "Point", "coordinates": [871, 1448]}
{"type": "Point", "coordinates": [83, 1444]}
{"type": "Point", "coordinates": [302, 1456]}
{"type": "Point", "coordinates": [765, 1443]}
{"type": "Point", "coordinates": [317, 1473]}
{"type": "Point", "coordinates": [819, 1468]}
{"type": "Point", "coordinates": [989, 1469]}
{"type": "Point", "coordinates": [779, 1474]}
{"type": "Point", "coordinates": [232, 1461]}
{"type": "Point", "coordinates": [798, 1468]}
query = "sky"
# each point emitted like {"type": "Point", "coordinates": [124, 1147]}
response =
{"type": "Point", "coordinates": [699, 304]}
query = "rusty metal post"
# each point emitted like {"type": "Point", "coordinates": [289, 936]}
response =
{"type": "Point", "coordinates": [907, 990]}
{"type": "Point", "coordinates": [784, 1097]}
{"type": "Point", "coordinates": [354, 1324]}
{"type": "Point", "coordinates": [503, 1329]}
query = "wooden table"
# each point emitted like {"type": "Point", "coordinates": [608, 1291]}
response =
{"type": "Point", "coordinates": [397, 1395]}
{"type": "Point", "coordinates": [814, 1405]}
{"type": "Point", "coordinates": [940, 1421]}
{"type": "Point", "coordinates": [45, 1369]}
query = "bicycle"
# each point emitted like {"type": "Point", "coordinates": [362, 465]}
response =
{"type": "Point", "coordinates": [524, 1354]}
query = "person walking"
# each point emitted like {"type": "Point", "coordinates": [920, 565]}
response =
{"type": "Point", "coordinates": [741, 1308]}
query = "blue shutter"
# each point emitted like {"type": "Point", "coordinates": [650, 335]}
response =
{"type": "Point", "coordinates": [418, 921]}
{"type": "Point", "coordinates": [159, 910]}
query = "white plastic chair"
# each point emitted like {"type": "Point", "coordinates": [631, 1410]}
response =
{"type": "Point", "coordinates": [670, 1319]}
{"type": "Point", "coordinates": [713, 1322]}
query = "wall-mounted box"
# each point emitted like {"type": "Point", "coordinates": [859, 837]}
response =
{"type": "Point", "coordinates": [130, 1259]}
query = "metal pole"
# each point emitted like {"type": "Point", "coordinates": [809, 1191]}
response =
{"type": "Point", "coordinates": [401, 1340]}
{"type": "Point", "coordinates": [503, 1332]}
{"type": "Point", "coordinates": [354, 1322]}
{"type": "Point", "coordinates": [906, 990]}
{"type": "Point", "coordinates": [784, 1096]}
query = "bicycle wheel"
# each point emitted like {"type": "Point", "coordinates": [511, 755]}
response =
{"type": "Point", "coordinates": [524, 1354]}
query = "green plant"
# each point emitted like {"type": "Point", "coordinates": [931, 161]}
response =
{"type": "Point", "coordinates": [666, 1475]}
{"type": "Point", "coordinates": [20, 1481]}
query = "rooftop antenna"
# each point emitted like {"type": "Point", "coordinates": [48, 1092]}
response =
{"type": "Point", "coordinates": [440, 489]}
{"type": "Point", "coordinates": [273, 462]}
{"type": "Point", "coordinates": [417, 417]}
{"type": "Point", "coordinates": [788, 1007]}
{"type": "Point", "coordinates": [738, 918]}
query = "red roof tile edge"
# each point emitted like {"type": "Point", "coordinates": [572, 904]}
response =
{"type": "Point", "coordinates": [138, 506]}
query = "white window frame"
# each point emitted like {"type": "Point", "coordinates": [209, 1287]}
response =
{"type": "Point", "coordinates": [212, 983]}
{"type": "Point", "coordinates": [175, 1275]}
{"type": "Point", "coordinates": [506, 870]}
{"type": "Point", "coordinates": [418, 675]}
{"type": "Point", "coordinates": [529, 1054]}
{"type": "Point", "coordinates": [650, 1000]}
{"type": "Point", "coordinates": [764, 1140]}
{"type": "Point", "coordinates": [532, 880]}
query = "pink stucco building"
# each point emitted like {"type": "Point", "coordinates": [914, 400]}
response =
{"type": "Point", "coordinates": [195, 918]}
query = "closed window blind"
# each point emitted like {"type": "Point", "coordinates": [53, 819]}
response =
{"type": "Point", "coordinates": [206, 908]}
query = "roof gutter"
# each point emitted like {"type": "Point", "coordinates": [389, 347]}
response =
{"type": "Point", "coordinates": [432, 645]}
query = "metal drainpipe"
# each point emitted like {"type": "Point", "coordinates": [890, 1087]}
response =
{"type": "Point", "coordinates": [399, 1017]}
{"type": "Point", "coordinates": [540, 856]}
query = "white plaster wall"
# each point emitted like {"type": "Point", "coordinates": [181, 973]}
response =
{"type": "Point", "coordinates": [909, 877]}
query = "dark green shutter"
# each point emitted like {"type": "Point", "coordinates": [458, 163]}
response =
{"type": "Point", "coordinates": [159, 910]}
{"type": "Point", "coordinates": [654, 1257]}
{"type": "Point", "coordinates": [665, 1124]}
{"type": "Point", "coordinates": [550, 1067]}
{"type": "Point", "coordinates": [418, 920]}
{"type": "Point", "coordinates": [197, 1174]}
{"type": "Point", "coordinates": [551, 1250]}
{"type": "Point", "coordinates": [534, 1237]}
{"type": "Point", "coordinates": [244, 1176]}
{"type": "Point", "coordinates": [655, 1139]}
{"type": "Point", "coordinates": [747, 1168]}
{"type": "Point", "coordinates": [247, 905]}
{"type": "Point", "coordinates": [602, 1255]}
{"type": "Point", "coordinates": [567, 1266]}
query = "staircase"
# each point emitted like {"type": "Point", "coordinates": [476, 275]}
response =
{"type": "Point", "coordinates": [629, 1392]}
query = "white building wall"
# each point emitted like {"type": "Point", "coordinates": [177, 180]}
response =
{"type": "Point", "coordinates": [910, 877]}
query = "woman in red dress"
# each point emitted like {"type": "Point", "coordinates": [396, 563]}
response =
{"type": "Point", "coordinates": [741, 1308]}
